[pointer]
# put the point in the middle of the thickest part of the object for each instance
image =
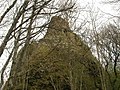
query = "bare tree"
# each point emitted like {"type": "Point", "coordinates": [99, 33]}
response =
{"type": "Point", "coordinates": [29, 21]}
{"type": "Point", "coordinates": [108, 44]}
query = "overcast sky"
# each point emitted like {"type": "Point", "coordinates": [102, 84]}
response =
{"type": "Point", "coordinates": [108, 8]}
{"type": "Point", "coordinates": [98, 4]}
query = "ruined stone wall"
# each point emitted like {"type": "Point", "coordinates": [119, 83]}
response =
{"type": "Point", "coordinates": [59, 61]}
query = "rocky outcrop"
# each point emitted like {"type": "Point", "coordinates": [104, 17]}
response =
{"type": "Point", "coordinates": [59, 61]}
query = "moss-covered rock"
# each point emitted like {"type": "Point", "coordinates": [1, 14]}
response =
{"type": "Point", "coordinates": [59, 61]}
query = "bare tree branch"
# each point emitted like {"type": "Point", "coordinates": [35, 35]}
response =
{"type": "Point", "coordinates": [8, 9]}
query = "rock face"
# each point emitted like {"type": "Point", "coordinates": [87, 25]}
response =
{"type": "Point", "coordinates": [59, 61]}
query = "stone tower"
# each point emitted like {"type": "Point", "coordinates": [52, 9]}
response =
{"type": "Point", "coordinates": [59, 61]}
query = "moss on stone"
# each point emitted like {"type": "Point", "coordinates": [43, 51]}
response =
{"type": "Point", "coordinates": [56, 62]}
